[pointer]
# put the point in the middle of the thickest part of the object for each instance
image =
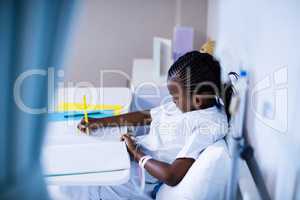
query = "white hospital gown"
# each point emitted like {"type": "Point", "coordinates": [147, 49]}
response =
{"type": "Point", "coordinates": [172, 135]}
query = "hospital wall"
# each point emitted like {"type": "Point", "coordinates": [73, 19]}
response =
{"type": "Point", "coordinates": [110, 34]}
{"type": "Point", "coordinates": [263, 37]}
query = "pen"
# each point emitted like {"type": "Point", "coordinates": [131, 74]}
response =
{"type": "Point", "coordinates": [85, 114]}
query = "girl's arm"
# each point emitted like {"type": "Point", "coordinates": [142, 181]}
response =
{"type": "Point", "coordinates": [170, 174]}
{"type": "Point", "coordinates": [138, 118]}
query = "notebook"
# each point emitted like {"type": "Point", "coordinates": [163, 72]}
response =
{"type": "Point", "coordinates": [61, 160]}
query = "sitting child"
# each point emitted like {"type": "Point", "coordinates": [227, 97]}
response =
{"type": "Point", "coordinates": [179, 130]}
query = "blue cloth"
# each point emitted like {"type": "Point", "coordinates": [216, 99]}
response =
{"type": "Point", "coordinates": [156, 189]}
{"type": "Point", "coordinates": [33, 35]}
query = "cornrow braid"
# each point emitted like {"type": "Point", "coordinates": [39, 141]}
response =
{"type": "Point", "coordinates": [198, 72]}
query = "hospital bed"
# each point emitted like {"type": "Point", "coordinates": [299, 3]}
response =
{"type": "Point", "coordinates": [250, 182]}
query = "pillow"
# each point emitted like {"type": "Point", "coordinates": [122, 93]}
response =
{"type": "Point", "coordinates": [206, 179]}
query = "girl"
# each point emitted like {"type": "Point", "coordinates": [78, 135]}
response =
{"type": "Point", "coordinates": [179, 130]}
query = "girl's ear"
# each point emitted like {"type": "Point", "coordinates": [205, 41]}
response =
{"type": "Point", "coordinates": [197, 101]}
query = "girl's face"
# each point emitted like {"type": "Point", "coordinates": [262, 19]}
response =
{"type": "Point", "coordinates": [180, 96]}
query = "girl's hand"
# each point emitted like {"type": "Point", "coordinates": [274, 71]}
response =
{"type": "Point", "coordinates": [130, 143]}
{"type": "Point", "coordinates": [92, 125]}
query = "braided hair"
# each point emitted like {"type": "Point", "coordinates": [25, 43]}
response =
{"type": "Point", "coordinates": [199, 73]}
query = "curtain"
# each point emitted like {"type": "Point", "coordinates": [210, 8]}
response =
{"type": "Point", "coordinates": [33, 36]}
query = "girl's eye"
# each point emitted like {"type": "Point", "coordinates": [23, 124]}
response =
{"type": "Point", "coordinates": [175, 100]}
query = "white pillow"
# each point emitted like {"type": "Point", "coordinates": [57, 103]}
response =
{"type": "Point", "coordinates": [206, 179]}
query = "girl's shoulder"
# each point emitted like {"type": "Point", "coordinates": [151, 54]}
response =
{"type": "Point", "coordinates": [212, 118]}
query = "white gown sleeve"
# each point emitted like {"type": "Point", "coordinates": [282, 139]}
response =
{"type": "Point", "coordinates": [195, 144]}
{"type": "Point", "coordinates": [200, 136]}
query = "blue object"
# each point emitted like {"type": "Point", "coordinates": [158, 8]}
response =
{"type": "Point", "coordinates": [156, 189]}
{"type": "Point", "coordinates": [243, 73]}
{"type": "Point", "coordinates": [33, 37]}
{"type": "Point", "coordinates": [183, 38]}
{"type": "Point", "coordinates": [63, 116]}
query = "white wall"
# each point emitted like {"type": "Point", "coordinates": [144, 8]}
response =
{"type": "Point", "coordinates": [111, 33]}
{"type": "Point", "coordinates": [263, 37]}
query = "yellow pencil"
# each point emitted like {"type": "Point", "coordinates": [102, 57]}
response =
{"type": "Point", "coordinates": [86, 119]}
